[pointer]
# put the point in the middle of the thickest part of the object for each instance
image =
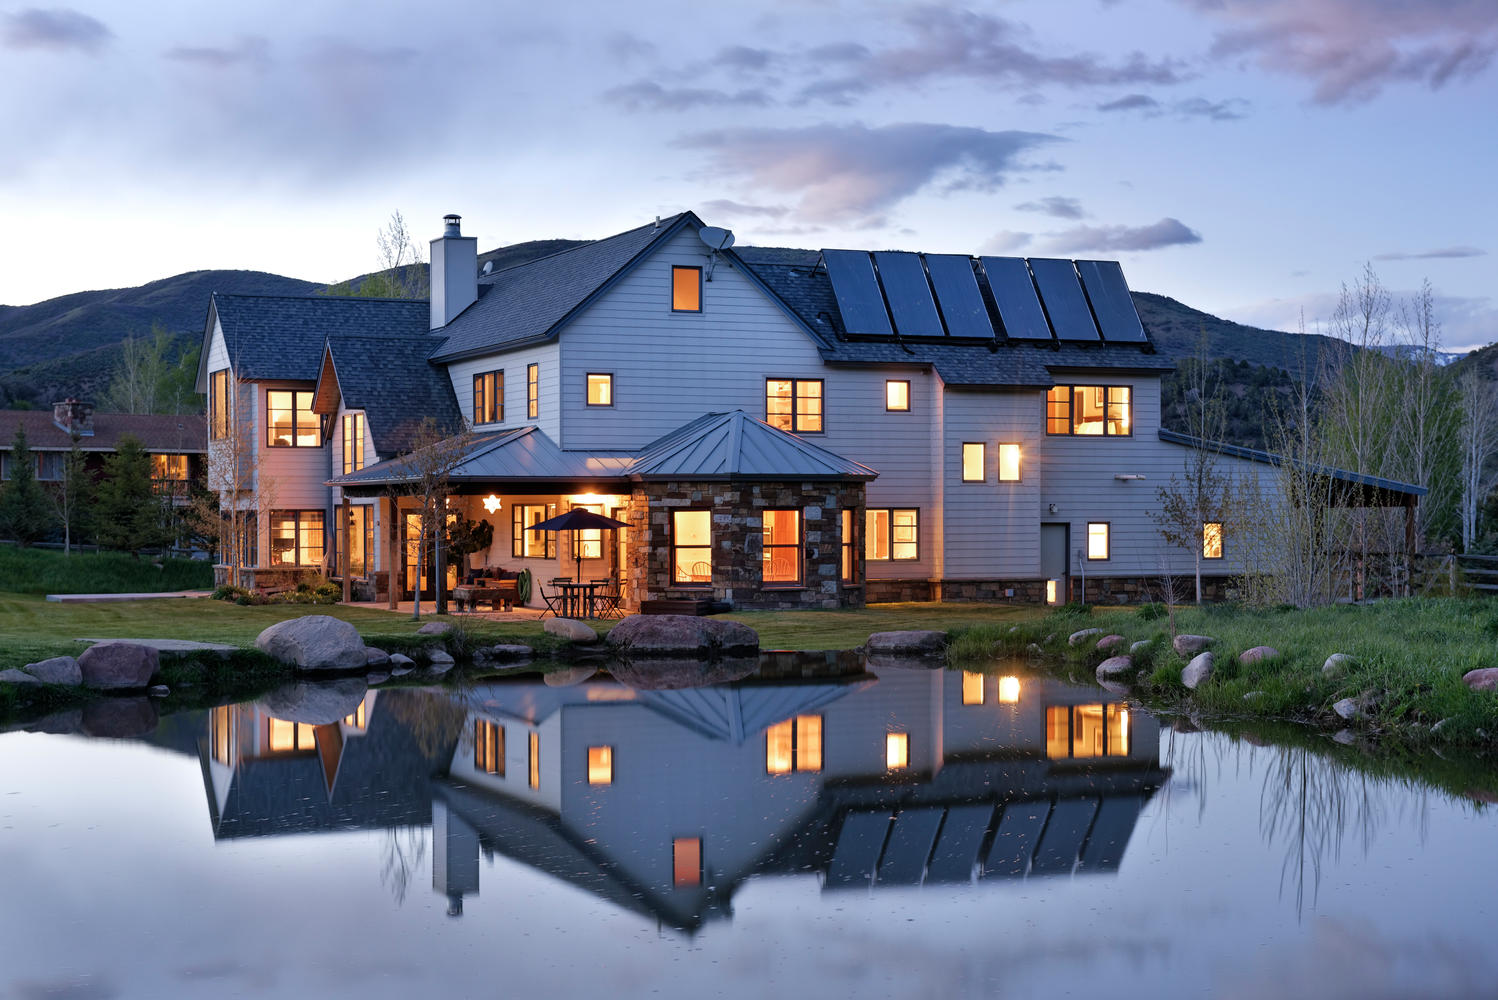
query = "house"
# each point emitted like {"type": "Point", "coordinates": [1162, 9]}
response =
{"type": "Point", "coordinates": [778, 428]}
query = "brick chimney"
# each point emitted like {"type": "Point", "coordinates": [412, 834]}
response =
{"type": "Point", "coordinates": [75, 419]}
{"type": "Point", "coordinates": [455, 272]}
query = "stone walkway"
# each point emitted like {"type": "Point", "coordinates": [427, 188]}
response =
{"type": "Point", "coordinates": [170, 645]}
{"type": "Point", "coordinates": [70, 598]}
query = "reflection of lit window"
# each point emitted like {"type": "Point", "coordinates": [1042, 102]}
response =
{"type": "Point", "coordinates": [1058, 731]}
{"type": "Point", "coordinates": [288, 737]}
{"type": "Point", "coordinates": [897, 751]}
{"type": "Point", "coordinates": [1087, 731]}
{"type": "Point", "coordinates": [221, 734]}
{"type": "Point", "coordinates": [1097, 540]}
{"type": "Point", "coordinates": [535, 760]}
{"type": "Point", "coordinates": [686, 861]}
{"type": "Point", "coordinates": [357, 720]}
{"type": "Point", "coordinates": [974, 464]}
{"type": "Point", "coordinates": [600, 765]}
{"type": "Point", "coordinates": [489, 748]}
{"type": "Point", "coordinates": [1212, 540]}
{"type": "Point", "coordinates": [972, 688]}
{"type": "Point", "coordinates": [897, 394]}
{"type": "Point", "coordinates": [794, 745]}
{"type": "Point", "coordinates": [1008, 690]}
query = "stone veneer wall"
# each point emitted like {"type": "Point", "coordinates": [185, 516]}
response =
{"type": "Point", "coordinates": [1100, 590]}
{"type": "Point", "coordinates": [737, 534]}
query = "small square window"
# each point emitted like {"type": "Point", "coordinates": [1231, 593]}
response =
{"type": "Point", "coordinates": [1212, 540]}
{"type": "Point", "coordinates": [973, 463]}
{"type": "Point", "coordinates": [1009, 465]}
{"type": "Point", "coordinates": [600, 390]}
{"type": "Point", "coordinates": [897, 394]}
{"type": "Point", "coordinates": [686, 289]}
{"type": "Point", "coordinates": [1097, 540]}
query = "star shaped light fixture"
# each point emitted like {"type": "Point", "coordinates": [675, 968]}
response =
{"type": "Point", "coordinates": [491, 503]}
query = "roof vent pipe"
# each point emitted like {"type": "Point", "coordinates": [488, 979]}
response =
{"type": "Point", "coordinates": [450, 225]}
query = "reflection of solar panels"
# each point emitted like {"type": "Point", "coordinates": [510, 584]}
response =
{"type": "Point", "coordinates": [1014, 294]}
{"type": "Point", "coordinates": [908, 294]}
{"type": "Point", "coordinates": [1111, 301]}
{"type": "Point", "coordinates": [1064, 302]}
{"type": "Point", "coordinates": [958, 295]}
{"type": "Point", "coordinates": [857, 292]}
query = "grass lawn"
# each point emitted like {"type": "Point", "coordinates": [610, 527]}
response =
{"type": "Point", "coordinates": [47, 571]}
{"type": "Point", "coordinates": [820, 630]}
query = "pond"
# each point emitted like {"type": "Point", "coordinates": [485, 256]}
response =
{"type": "Point", "coordinates": [842, 830]}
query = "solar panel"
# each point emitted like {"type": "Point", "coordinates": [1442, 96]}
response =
{"type": "Point", "coordinates": [957, 849]}
{"type": "Point", "coordinates": [1111, 301]}
{"type": "Point", "coordinates": [1014, 294]}
{"type": "Point", "coordinates": [1064, 302]}
{"type": "Point", "coordinates": [908, 294]}
{"type": "Point", "coordinates": [958, 295]}
{"type": "Point", "coordinates": [857, 291]}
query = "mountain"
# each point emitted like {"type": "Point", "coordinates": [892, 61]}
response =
{"type": "Point", "coordinates": [1175, 328]}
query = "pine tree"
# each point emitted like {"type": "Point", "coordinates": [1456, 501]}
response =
{"type": "Point", "coordinates": [23, 505]}
{"type": "Point", "coordinates": [128, 511]}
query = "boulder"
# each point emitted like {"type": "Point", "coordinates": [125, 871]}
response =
{"type": "Point", "coordinates": [1184, 724]}
{"type": "Point", "coordinates": [675, 673]}
{"type": "Point", "coordinates": [1347, 709]}
{"type": "Point", "coordinates": [118, 666]}
{"type": "Point", "coordinates": [14, 676]}
{"type": "Point", "coordinates": [375, 657]}
{"type": "Point", "coordinates": [57, 670]}
{"type": "Point", "coordinates": [435, 628]}
{"type": "Point", "coordinates": [400, 661]}
{"type": "Point", "coordinates": [314, 642]}
{"type": "Point", "coordinates": [316, 703]}
{"type": "Point", "coordinates": [1114, 687]}
{"type": "Point", "coordinates": [1197, 671]}
{"type": "Point", "coordinates": [1190, 645]}
{"type": "Point", "coordinates": [1034, 650]}
{"type": "Point", "coordinates": [401, 671]}
{"type": "Point", "coordinates": [897, 661]}
{"type": "Point", "coordinates": [912, 642]}
{"type": "Point", "coordinates": [1258, 654]}
{"type": "Point", "coordinates": [507, 651]}
{"type": "Point", "coordinates": [159, 691]}
{"type": "Point", "coordinates": [1484, 679]}
{"type": "Point", "coordinates": [1115, 666]}
{"type": "Point", "coordinates": [1110, 642]}
{"type": "Point", "coordinates": [440, 661]}
{"type": "Point", "coordinates": [568, 676]}
{"type": "Point", "coordinates": [570, 629]}
{"type": "Point", "coordinates": [1336, 664]}
{"type": "Point", "coordinates": [682, 635]}
{"type": "Point", "coordinates": [377, 677]}
{"type": "Point", "coordinates": [58, 723]}
{"type": "Point", "coordinates": [119, 718]}
{"type": "Point", "coordinates": [1346, 737]}
{"type": "Point", "coordinates": [1138, 647]}
{"type": "Point", "coordinates": [1077, 638]}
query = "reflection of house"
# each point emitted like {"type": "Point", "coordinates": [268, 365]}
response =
{"type": "Point", "coordinates": [664, 801]}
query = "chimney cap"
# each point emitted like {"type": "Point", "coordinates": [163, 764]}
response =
{"type": "Point", "coordinates": [450, 223]}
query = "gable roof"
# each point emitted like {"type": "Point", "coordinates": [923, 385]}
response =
{"type": "Point", "coordinates": [282, 336]}
{"type": "Point", "coordinates": [185, 433]}
{"type": "Point", "coordinates": [737, 446]}
{"type": "Point", "coordinates": [390, 379]}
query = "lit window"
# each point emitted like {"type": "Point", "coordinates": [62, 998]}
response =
{"type": "Point", "coordinates": [291, 422]}
{"type": "Point", "coordinates": [897, 394]}
{"type": "Point", "coordinates": [296, 537]}
{"type": "Point", "coordinates": [1084, 731]}
{"type": "Point", "coordinates": [794, 404]}
{"type": "Point", "coordinates": [794, 745]}
{"type": "Point", "coordinates": [891, 534]}
{"type": "Point", "coordinates": [221, 734]}
{"type": "Point", "coordinates": [1212, 540]}
{"type": "Point", "coordinates": [1058, 410]}
{"type": "Point", "coordinates": [527, 544]}
{"type": "Point", "coordinates": [360, 539]}
{"type": "Point", "coordinates": [589, 541]}
{"type": "Point", "coordinates": [973, 464]}
{"type": "Point", "coordinates": [897, 751]}
{"type": "Point", "coordinates": [600, 765]}
{"type": "Point", "coordinates": [686, 861]}
{"type": "Point", "coordinates": [1089, 410]}
{"type": "Point", "coordinates": [847, 545]}
{"type": "Point", "coordinates": [353, 442]}
{"type": "Point", "coordinates": [533, 391]}
{"type": "Point", "coordinates": [489, 397]}
{"type": "Point", "coordinates": [972, 688]}
{"type": "Point", "coordinates": [1008, 690]}
{"type": "Point", "coordinates": [692, 547]}
{"type": "Point", "coordinates": [686, 289]}
{"type": "Point", "coordinates": [1009, 463]}
{"type": "Point", "coordinates": [289, 737]}
{"type": "Point", "coordinates": [359, 720]}
{"type": "Point", "coordinates": [534, 767]}
{"type": "Point", "coordinates": [600, 390]}
{"type": "Point", "coordinates": [218, 404]}
{"type": "Point", "coordinates": [489, 748]}
{"type": "Point", "coordinates": [1097, 540]}
{"type": "Point", "coordinates": [781, 546]}
{"type": "Point", "coordinates": [173, 467]}
{"type": "Point", "coordinates": [1053, 591]}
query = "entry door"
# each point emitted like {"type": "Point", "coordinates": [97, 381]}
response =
{"type": "Point", "coordinates": [1055, 543]}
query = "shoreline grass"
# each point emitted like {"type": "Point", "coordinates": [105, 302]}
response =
{"type": "Point", "coordinates": [46, 571]}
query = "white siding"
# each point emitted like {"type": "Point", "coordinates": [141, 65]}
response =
{"type": "Point", "coordinates": [992, 529]}
{"type": "Point", "coordinates": [514, 365]}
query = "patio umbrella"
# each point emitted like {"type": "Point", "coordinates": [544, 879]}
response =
{"type": "Point", "coordinates": [575, 521]}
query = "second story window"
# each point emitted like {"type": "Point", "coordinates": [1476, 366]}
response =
{"type": "Point", "coordinates": [532, 391]}
{"type": "Point", "coordinates": [686, 289]}
{"type": "Point", "coordinates": [489, 397]}
{"type": "Point", "coordinates": [353, 442]}
{"type": "Point", "coordinates": [794, 745]}
{"type": "Point", "coordinates": [600, 389]}
{"type": "Point", "coordinates": [974, 462]}
{"type": "Point", "coordinates": [1089, 410]}
{"type": "Point", "coordinates": [897, 394]}
{"type": "Point", "coordinates": [218, 404]}
{"type": "Point", "coordinates": [794, 404]}
{"type": "Point", "coordinates": [291, 423]}
{"type": "Point", "coordinates": [169, 467]}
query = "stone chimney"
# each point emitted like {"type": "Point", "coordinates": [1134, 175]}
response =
{"type": "Point", "coordinates": [455, 272]}
{"type": "Point", "coordinates": [74, 418]}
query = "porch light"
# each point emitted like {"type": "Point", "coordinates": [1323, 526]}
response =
{"type": "Point", "coordinates": [491, 503]}
{"type": "Point", "coordinates": [1008, 690]}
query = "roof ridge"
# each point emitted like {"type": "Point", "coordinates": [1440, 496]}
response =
{"type": "Point", "coordinates": [317, 298]}
{"type": "Point", "coordinates": [659, 223]}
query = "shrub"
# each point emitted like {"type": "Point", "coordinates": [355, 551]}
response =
{"type": "Point", "coordinates": [1153, 612]}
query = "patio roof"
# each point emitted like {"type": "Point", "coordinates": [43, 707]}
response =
{"type": "Point", "coordinates": [1382, 488]}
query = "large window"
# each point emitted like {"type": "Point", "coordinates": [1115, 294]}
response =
{"type": "Point", "coordinates": [489, 748]}
{"type": "Point", "coordinates": [218, 404]}
{"type": "Point", "coordinates": [1089, 410]}
{"type": "Point", "coordinates": [489, 397]}
{"type": "Point", "coordinates": [891, 533]}
{"type": "Point", "coordinates": [1087, 731]}
{"type": "Point", "coordinates": [794, 745]}
{"type": "Point", "coordinates": [686, 289]}
{"type": "Point", "coordinates": [360, 539]}
{"type": "Point", "coordinates": [169, 467]}
{"type": "Point", "coordinates": [781, 536]}
{"type": "Point", "coordinates": [974, 462]}
{"type": "Point", "coordinates": [847, 523]}
{"type": "Point", "coordinates": [1097, 540]}
{"type": "Point", "coordinates": [527, 544]}
{"type": "Point", "coordinates": [296, 537]}
{"type": "Point", "coordinates": [289, 737]}
{"type": "Point", "coordinates": [532, 391]}
{"type": "Point", "coordinates": [600, 389]}
{"type": "Point", "coordinates": [353, 442]}
{"type": "Point", "coordinates": [1212, 540]}
{"type": "Point", "coordinates": [1009, 464]}
{"type": "Point", "coordinates": [291, 423]}
{"type": "Point", "coordinates": [794, 404]}
{"type": "Point", "coordinates": [692, 547]}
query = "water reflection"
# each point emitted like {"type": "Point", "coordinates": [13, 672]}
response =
{"type": "Point", "coordinates": [664, 801]}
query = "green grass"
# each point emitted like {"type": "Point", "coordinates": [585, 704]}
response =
{"type": "Point", "coordinates": [823, 630]}
{"type": "Point", "coordinates": [1409, 656]}
{"type": "Point", "coordinates": [47, 571]}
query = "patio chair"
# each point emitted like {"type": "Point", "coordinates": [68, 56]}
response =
{"type": "Point", "coordinates": [607, 597]}
{"type": "Point", "coordinates": [553, 602]}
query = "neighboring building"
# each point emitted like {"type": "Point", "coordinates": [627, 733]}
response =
{"type": "Point", "coordinates": [778, 428]}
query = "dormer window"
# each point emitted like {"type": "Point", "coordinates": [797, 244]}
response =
{"type": "Point", "coordinates": [686, 289]}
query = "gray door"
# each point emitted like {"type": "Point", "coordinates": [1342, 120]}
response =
{"type": "Point", "coordinates": [1054, 544]}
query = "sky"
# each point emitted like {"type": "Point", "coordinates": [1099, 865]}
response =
{"type": "Point", "coordinates": [1247, 157]}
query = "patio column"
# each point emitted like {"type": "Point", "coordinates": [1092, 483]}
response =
{"type": "Point", "coordinates": [344, 562]}
{"type": "Point", "coordinates": [439, 577]}
{"type": "Point", "coordinates": [394, 563]}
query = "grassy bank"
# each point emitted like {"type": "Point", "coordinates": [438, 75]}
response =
{"type": "Point", "coordinates": [1409, 658]}
{"type": "Point", "coordinates": [823, 630]}
{"type": "Point", "coordinates": [46, 571]}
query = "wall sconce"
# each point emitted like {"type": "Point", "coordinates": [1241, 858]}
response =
{"type": "Point", "coordinates": [491, 503]}
{"type": "Point", "coordinates": [1050, 508]}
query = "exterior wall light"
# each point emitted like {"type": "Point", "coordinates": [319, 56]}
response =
{"type": "Point", "coordinates": [491, 503]}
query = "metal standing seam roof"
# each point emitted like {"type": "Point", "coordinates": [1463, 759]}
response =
{"type": "Point", "coordinates": [1268, 458]}
{"type": "Point", "coordinates": [282, 336]}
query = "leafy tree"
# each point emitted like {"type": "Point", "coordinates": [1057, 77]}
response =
{"type": "Point", "coordinates": [150, 380]}
{"type": "Point", "coordinates": [129, 510]}
{"type": "Point", "coordinates": [23, 504]}
{"type": "Point", "coordinates": [402, 272]}
{"type": "Point", "coordinates": [71, 497]}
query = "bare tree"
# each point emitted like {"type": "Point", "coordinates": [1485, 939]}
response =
{"type": "Point", "coordinates": [69, 495]}
{"type": "Point", "coordinates": [432, 458]}
{"type": "Point", "coordinates": [1478, 401]}
{"type": "Point", "coordinates": [234, 473]}
{"type": "Point", "coordinates": [402, 270]}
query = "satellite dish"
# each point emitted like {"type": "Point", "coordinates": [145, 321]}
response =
{"type": "Point", "coordinates": [715, 238]}
{"type": "Point", "coordinates": [488, 266]}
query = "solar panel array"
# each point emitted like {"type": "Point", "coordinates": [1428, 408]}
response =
{"type": "Point", "coordinates": [897, 293]}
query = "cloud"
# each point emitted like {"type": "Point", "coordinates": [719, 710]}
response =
{"type": "Point", "coordinates": [1467, 322]}
{"type": "Point", "coordinates": [845, 173]}
{"type": "Point", "coordinates": [1167, 232]}
{"type": "Point", "coordinates": [1006, 241]}
{"type": "Point", "coordinates": [1131, 102]}
{"type": "Point", "coordinates": [647, 95]}
{"type": "Point", "coordinates": [1350, 50]}
{"type": "Point", "coordinates": [1060, 207]}
{"type": "Point", "coordinates": [840, 91]}
{"type": "Point", "coordinates": [1444, 253]}
{"type": "Point", "coordinates": [743, 58]}
{"type": "Point", "coordinates": [249, 50]}
{"type": "Point", "coordinates": [1192, 107]}
{"type": "Point", "coordinates": [724, 206]}
{"type": "Point", "coordinates": [55, 28]}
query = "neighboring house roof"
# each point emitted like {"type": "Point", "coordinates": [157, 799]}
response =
{"type": "Point", "coordinates": [282, 336]}
{"type": "Point", "coordinates": [1254, 455]}
{"type": "Point", "coordinates": [390, 379]}
{"type": "Point", "coordinates": [185, 433]}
